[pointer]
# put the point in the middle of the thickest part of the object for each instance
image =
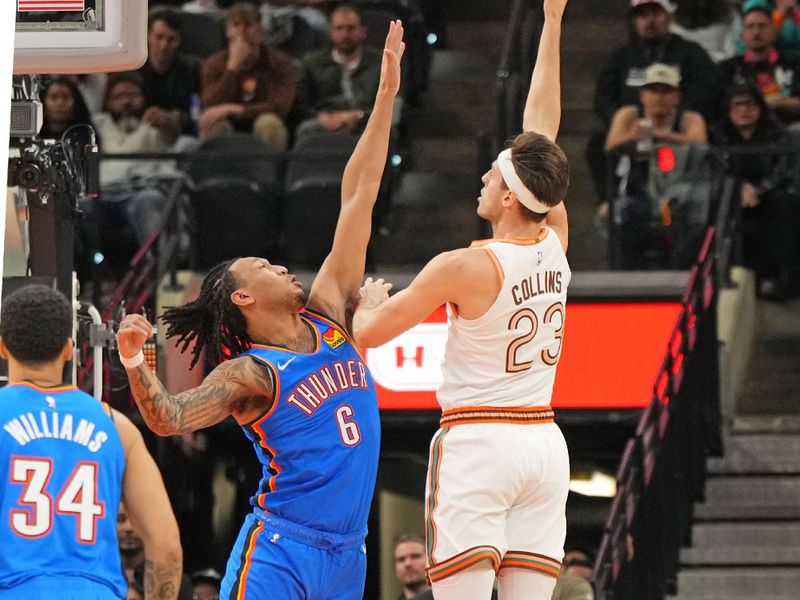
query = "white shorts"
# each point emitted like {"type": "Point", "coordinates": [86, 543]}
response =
{"type": "Point", "coordinates": [497, 489]}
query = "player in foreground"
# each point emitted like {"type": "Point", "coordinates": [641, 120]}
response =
{"type": "Point", "coordinates": [296, 384]}
{"type": "Point", "coordinates": [65, 462]}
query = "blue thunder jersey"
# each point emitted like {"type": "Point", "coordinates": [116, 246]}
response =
{"type": "Point", "coordinates": [319, 442]}
{"type": "Point", "coordinates": [61, 468]}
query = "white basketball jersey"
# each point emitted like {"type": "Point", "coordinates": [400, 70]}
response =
{"type": "Point", "coordinates": [508, 356]}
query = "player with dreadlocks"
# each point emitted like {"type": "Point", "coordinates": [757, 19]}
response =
{"type": "Point", "coordinates": [296, 384]}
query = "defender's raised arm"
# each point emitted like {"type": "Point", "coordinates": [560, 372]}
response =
{"type": "Point", "coordinates": [339, 278]}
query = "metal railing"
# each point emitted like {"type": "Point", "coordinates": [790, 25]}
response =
{"type": "Point", "coordinates": [663, 467]}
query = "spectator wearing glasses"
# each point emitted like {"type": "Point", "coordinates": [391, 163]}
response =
{"type": "Point", "coordinates": [768, 190]}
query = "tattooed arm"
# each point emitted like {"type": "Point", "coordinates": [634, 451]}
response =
{"type": "Point", "coordinates": [238, 387]}
{"type": "Point", "coordinates": [148, 507]}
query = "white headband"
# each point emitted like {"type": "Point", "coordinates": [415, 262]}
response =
{"type": "Point", "coordinates": [514, 183]}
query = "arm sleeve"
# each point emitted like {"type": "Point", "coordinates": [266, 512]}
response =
{"type": "Point", "coordinates": [219, 85]}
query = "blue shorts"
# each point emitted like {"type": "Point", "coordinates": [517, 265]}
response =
{"type": "Point", "coordinates": [274, 558]}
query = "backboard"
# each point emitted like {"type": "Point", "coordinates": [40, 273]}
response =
{"type": "Point", "coordinates": [80, 36]}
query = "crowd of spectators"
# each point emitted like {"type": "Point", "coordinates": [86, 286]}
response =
{"type": "Point", "coordinates": [263, 75]}
{"type": "Point", "coordinates": [693, 67]}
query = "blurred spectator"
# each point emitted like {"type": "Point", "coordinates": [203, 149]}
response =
{"type": "Point", "coordinates": [201, 6]}
{"type": "Point", "coordinates": [206, 584]}
{"type": "Point", "coordinates": [576, 573]}
{"type": "Point", "coordinates": [131, 546]}
{"type": "Point", "coordinates": [713, 24]}
{"type": "Point", "coordinates": [652, 42]}
{"type": "Point", "coordinates": [171, 79]}
{"type": "Point", "coordinates": [280, 18]}
{"type": "Point", "coordinates": [248, 86]}
{"type": "Point", "coordinates": [64, 107]}
{"type": "Point", "coordinates": [130, 126]}
{"type": "Point", "coordinates": [786, 17]}
{"type": "Point", "coordinates": [131, 550]}
{"type": "Point", "coordinates": [662, 169]}
{"type": "Point", "coordinates": [338, 85]}
{"type": "Point", "coordinates": [769, 190]}
{"type": "Point", "coordinates": [93, 89]}
{"type": "Point", "coordinates": [135, 591]}
{"type": "Point", "coordinates": [658, 117]}
{"type": "Point", "coordinates": [409, 565]}
{"type": "Point", "coordinates": [777, 76]}
{"type": "Point", "coordinates": [621, 78]}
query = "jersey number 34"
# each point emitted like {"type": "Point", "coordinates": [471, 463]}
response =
{"type": "Point", "coordinates": [78, 497]}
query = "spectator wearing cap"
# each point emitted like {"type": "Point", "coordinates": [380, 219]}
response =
{"type": "Point", "coordinates": [206, 584]}
{"type": "Point", "coordinates": [248, 86]}
{"type": "Point", "coordinates": [763, 65]}
{"type": "Point", "coordinates": [785, 16]}
{"type": "Point", "coordinates": [653, 42]}
{"type": "Point", "coordinates": [658, 154]}
{"type": "Point", "coordinates": [658, 114]}
{"type": "Point", "coordinates": [623, 74]}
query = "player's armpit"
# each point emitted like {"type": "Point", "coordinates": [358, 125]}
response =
{"type": "Point", "coordinates": [238, 387]}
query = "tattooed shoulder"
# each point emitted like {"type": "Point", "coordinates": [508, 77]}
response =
{"type": "Point", "coordinates": [254, 379]}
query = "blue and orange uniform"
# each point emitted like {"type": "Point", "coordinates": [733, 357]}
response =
{"type": "Point", "coordinates": [61, 469]}
{"type": "Point", "coordinates": [318, 444]}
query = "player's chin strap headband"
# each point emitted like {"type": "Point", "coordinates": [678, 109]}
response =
{"type": "Point", "coordinates": [514, 183]}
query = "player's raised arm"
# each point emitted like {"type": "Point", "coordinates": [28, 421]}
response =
{"type": "Point", "coordinates": [340, 276]}
{"type": "Point", "coordinates": [448, 277]}
{"type": "Point", "coordinates": [230, 389]}
{"type": "Point", "coordinates": [543, 106]}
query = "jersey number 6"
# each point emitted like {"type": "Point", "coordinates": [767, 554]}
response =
{"type": "Point", "coordinates": [348, 430]}
{"type": "Point", "coordinates": [527, 320]}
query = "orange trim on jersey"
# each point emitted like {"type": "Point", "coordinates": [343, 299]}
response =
{"type": "Point", "coordinates": [454, 308]}
{"type": "Point", "coordinates": [464, 560]}
{"type": "Point", "coordinates": [498, 268]}
{"type": "Point", "coordinates": [532, 562]}
{"type": "Point", "coordinates": [241, 593]}
{"type": "Point", "coordinates": [282, 349]}
{"type": "Point", "coordinates": [47, 390]}
{"type": "Point", "coordinates": [540, 237]}
{"type": "Point", "coordinates": [483, 414]}
{"type": "Point", "coordinates": [508, 409]}
{"type": "Point", "coordinates": [107, 408]}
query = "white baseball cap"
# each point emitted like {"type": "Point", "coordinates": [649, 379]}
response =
{"type": "Point", "coordinates": [663, 74]}
{"type": "Point", "coordinates": [665, 4]}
